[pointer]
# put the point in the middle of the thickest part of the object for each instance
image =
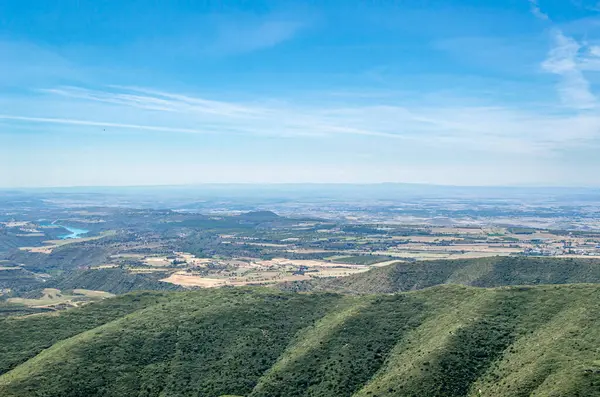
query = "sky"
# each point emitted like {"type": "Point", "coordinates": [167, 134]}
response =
{"type": "Point", "coordinates": [454, 92]}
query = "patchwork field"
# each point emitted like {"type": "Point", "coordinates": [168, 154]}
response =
{"type": "Point", "coordinates": [277, 270]}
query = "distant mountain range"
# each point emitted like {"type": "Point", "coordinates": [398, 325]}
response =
{"type": "Point", "coordinates": [250, 194]}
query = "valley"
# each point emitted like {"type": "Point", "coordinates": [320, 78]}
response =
{"type": "Point", "coordinates": [221, 245]}
{"type": "Point", "coordinates": [258, 300]}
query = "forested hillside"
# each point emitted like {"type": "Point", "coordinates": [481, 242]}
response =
{"type": "Point", "coordinates": [441, 341]}
{"type": "Point", "coordinates": [113, 280]}
{"type": "Point", "coordinates": [480, 272]}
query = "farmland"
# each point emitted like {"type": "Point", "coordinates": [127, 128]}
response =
{"type": "Point", "coordinates": [127, 247]}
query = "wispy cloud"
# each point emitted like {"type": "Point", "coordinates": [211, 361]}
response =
{"type": "Point", "coordinates": [51, 120]}
{"type": "Point", "coordinates": [537, 11]}
{"type": "Point", "coordinates": [148, 99]}
{"type": "Point", "coordinates": [563, 60]}
{"type": "Point", "coordinates": [590, 5]}
{"type": "Point", "coordinates": [254, 34]}
{"type": "Point", "coordinates": [567, 59]}
{"type": "Point", "coordinates": [217, 36]}
{"type": "Point", "coordinates": [489, 128]}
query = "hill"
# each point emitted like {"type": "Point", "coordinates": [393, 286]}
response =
{"type": "Point", "coordinates": [113, 280]}
{"type": "Point", "coordinates": [442, 341]}
{"type": "Point", "coordinates": [15, 278]}
{"type": "Point", "coordinates": [12, 240]}
{"type": "Point", "coordinates": [479, 272]}
{"type": "Point", "coordinates": [260, 216]}
{"type": "Point", "coordinates": [66, 257]}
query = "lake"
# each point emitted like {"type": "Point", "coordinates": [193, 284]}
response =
{"type": "Point", "coordinates": [74, 232]}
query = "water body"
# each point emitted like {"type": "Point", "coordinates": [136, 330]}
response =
{"type": "Point", "coordinates": [73, 232]}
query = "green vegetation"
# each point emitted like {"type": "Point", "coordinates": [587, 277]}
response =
{"type": "Point", "coordinates": [23, 337]}
{"type": "Point", "coordinates": [479, 272]}
{"type": "Point", "coordinates": [64, 257]}
{"type": "Point", "coordinates": [55, 298]}
{"type": "Point", "coordinates": [13, 309]}
{"type": "Point", "coordinates": [16, 278]}
{"type": "Point", "coordinates": [442, 341]}
{"type": "Point", "coordinates": [113, 280]}
{"type": "Point", "coordinates": [521, 230]}
{"type": "Point", "coordinates": [11, 240]}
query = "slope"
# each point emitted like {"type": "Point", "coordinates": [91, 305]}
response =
{"type": "Point", "coordinates": [442, 341]}
{"type": "Point", "coordinates": [480, 272]}
{"type": "Point", "coordinates": [23, 337]}
{"type": "Point", "coordinates": [113, 280]}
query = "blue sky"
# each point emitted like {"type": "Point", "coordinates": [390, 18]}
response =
{"type": "Point", "coordinates": [182, 92]}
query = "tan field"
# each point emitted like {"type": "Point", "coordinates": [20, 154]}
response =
{"type": "Point", "coordinates": [187, 280]}
{"type": "Point", "coordinates": [150, 270]}
{"type": "Point", "coordinates": [425, 256]}
{"type": "Point", "coordinates": [106, 266]}
{"type": "Point", "coordinates": [93, 294]}
{"type": "Point", "coordinates": [265, 272]}
{"type": "Point", "coordinates": [262, 244]}
{"type": "Point", "coordinates": [309, 251]}
{"type": "Point", "coordinates": [157, 261]}
{"type": "Point", "coordinates": [39, 250]}
{"type": "Point", "coordinates": [475, 248]}
{"type": "Point", "coordinates": [427, 239]}
{"type": "Point", "coordinates": [191, 259]}
{"type": "Point", "coordinates": [190, 280]}
{"type": "Point", "coordinates": [310, 263]}
{"type": "Point", "coordinates": [386, 263]}
{"type": "Point", "coordinates": [15, 224]}
{"type": "Point", "coordinates": [458, 231]}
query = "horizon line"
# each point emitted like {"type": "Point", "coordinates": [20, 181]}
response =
{"type": "Point", "coordinates": [274, 184]}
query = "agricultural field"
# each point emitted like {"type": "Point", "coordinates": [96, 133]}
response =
{"type": "Point", "coordinates": [62, 243]}
{"type": "Point", "coordinates": [332, 298]}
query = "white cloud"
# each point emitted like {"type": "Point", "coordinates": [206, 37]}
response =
{"type": "Point", "coordinates": [564, 60]}
{"type": "Point", "coordinates": [53, 120]}
{"type": "Point", "coordinates": [255, 34]}
{"type": "Point", "coordinates": [144, 98]}
{"type": "Point", "coordinates": [223, 35]}
{"type": "Point", "coordinates": [447, 124]}
{"type": "Point", "coordinates": [537, 12]}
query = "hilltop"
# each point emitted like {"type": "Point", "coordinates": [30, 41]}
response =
{"type": "Point", "coordinates": [478, 272]}
{"type": "Point", "coordinates": [113, 280]}
{"type": "Point", "coordinates": [260, 216]}
{"type": "Point", "coordinates": [441, 341]}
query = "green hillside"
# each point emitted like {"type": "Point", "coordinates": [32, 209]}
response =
{"type": "Point", "coordinates": [65, 257]}
{"type": "Point", "coordinates": [442, 341]}
{"type": "Point", "coordinates": [16, 278]}
{"type": "Point", "coordinates": [480, 272]}
{"type": "Point", "coordinates": [22, 338]}
{"type": "Point", "coordinates": [113, 280]}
